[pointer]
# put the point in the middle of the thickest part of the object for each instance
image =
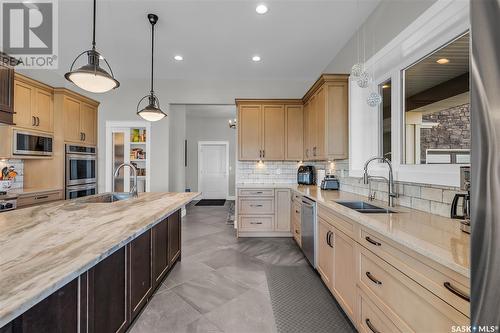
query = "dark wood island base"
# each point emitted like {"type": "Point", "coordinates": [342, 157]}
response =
{"type": "Point", "coordinates": [109, 296]}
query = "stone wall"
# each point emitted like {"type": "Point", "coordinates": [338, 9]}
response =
{"type": "Point", "coordinates": [453, 131]}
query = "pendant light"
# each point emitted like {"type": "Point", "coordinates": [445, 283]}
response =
{"type": "Point", "coordinates": [92, 77]}
{"type": "Point", "coordinates": [152, 111]}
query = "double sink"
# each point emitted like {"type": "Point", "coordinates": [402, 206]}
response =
{"type": "Point", "coordinates": [364, 207]}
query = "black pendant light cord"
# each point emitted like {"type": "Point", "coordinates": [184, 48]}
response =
{"type": "Point", "coordinates": [152, 55]}
{"type": "Point", "coordinates": [93, 28]}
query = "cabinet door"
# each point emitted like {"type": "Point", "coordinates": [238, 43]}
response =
{"type": "Point", "coordinates": [312, 128]}
{"type": "Point", "coordinates": [24, 104]}
{"type": "Point", "coordinates": [160, 251]}
{"type": "Point", "coordinates": [307, 152]}
{"type": "Point", "coordinates": [274, 132]}
{"type": "Point", "coordinates": [71, 116]}
{"type": "Point", "coordinates": [325, 252]}
{"type": "Point", "coordinates": [250, 132]}
{"type": "Point", "coordinates": [44, 110]}
{"type": "Point", "coordinates": [294, 132]}
{"type": "Point", "coordinates": [321, 123]}
{"type": "Point", "coordinates": [337, 125]}
{"type": "Point", "coordinates": [174, 237]}
{"type": "Point", "coordinates": [282, 213]}
{"type": "Point", "coordinates": [107, 295]}
{"type": "Point", "coordinates": [140, 279]}
{"type": "Point", "coordinates": [88, 123]}
{"type": "Point", "coordinates": [343, 282]}
{"type": "Point", "coordinates": [6, 92]}
{"type": "Point", "coordinates": [57, 313]}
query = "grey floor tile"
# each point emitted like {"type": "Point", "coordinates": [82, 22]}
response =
{"type": "Point", "coordinates": [183, 272]}
{"type": "Point", "coordinates": [248, 313]}
{"type": "Point", "coordinates": [231, 257]}
{"type": "Point", "coordinates": [202, 325]}
{"type": "Point", "coordinates": [165, 313]}
{"type": "Point", "coordinates": [209, 291]}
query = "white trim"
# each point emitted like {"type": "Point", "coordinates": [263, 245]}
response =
{"type": "Point", "coordinates": [214, 143]}
{"type": "Point", "coordinates": [231, 197]}
{"type": "Point", "coordinates": [441, 23]}
{"type": "Point", "coordinates": [125, 126]}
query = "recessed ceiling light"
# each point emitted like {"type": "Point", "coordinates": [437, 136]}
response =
{"type": "Point", "coordinates": [178, 58]}
{"type": "Point", "coordinates": [256, 58]}
{"type": "Point", "coordinates": [443, 61]}
{"type": "Point", "coordinates": [261, 9]}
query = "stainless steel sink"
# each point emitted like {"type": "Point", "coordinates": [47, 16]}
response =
{"type": "Point", "coordinates": [364, 207]}
{"type": "Point", "coordinates": [108, 197]}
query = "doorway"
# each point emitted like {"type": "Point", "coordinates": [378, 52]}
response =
{"type": "Point", "coordinates": [213, 169]}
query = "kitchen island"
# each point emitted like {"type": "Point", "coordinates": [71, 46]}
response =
{"type": "Point", "coordinates": [61, 253]}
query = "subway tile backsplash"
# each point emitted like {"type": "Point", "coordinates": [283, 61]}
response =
{"type": "Point", "coordinates": [425, 197]}
{"type": "Point", "coordinates": [19, 167]}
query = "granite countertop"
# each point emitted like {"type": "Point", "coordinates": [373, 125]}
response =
{"type": "Point", "coordinates": [44, 247]}
{"type": "Point", "coordinates": [435, 237]}
{"type": "Point", "coordinates": [32, 190]}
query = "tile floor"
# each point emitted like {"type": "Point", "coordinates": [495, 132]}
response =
{"type": "Point", "coordinates": [220, 285]}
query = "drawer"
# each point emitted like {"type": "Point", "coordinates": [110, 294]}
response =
{"type": "Point", "coordinates": [256, 223]}
{"type": "Point", "coordinates": [296, 198]}
{"type": "Point", "coordinates": [296, 212]}
{"type": "Point", "coordinates": [38, 198]}
{"type": "Point", "coordinates": [410, 306]}
{"type": "Point", "coordinates": [370, 318]}
{"type": "Point", "coordinates": [347, 226]}
{"type": "Point", "coordinates": [443, 285]}
{"type": "Point", "coordinates": [257, 206]}
{"type": "Point", "coordinates": [255, 192]}
{"type": "Point", "coordinates": [296, 232]}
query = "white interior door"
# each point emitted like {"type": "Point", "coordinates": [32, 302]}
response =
{"type": "Point", "coordinates": [213, 170]}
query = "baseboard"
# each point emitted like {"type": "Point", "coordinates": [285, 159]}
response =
{"type": "Point", "coordinates": [231, 197]}
{"type": "Point", "coordinates": [264, 234]}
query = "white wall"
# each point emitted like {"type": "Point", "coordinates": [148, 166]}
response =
{"type": "Point", "coordinates": [177, 117]}
{"type": "Point", "coordinates": [209, 129]}
{"type": "Point", "coordinates": [384, 23]}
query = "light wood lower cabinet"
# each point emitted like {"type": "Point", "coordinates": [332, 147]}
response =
{"type": "Point", "coordinates": [33, 199]}
{"type": "Point", "coordinates": [325, 252]}
{"type": "Point", "coordinates": [370, 318]}
{"type": "Point", "coordinates": [264, 212]}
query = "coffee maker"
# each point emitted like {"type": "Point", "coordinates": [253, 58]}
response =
{"type": "Point", "coordinates": [464, 213]}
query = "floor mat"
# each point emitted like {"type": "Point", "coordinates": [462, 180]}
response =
{"type": "Point", "coordinates": [211, 202]}
{"type": "Point", "coordinates": [301, 302]}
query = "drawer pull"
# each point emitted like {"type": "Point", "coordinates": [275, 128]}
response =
{"type": "Point", "coordinates": [370, 326]}
{"type": "Point", "coordinates": [374, 280]}
{"type": "Point", "coordinates": [41, 197]}
{"type": "Point", "coordinates": [258, 192]}
{"type": "Point", "coordinates": [369, 240]}
{"type": "Point", "coordinates": [255, 205]}
{"type": "Point", "coordinates": [457, 292]}
{"type": "Point", "coordinates": [296, 211]}
{"type": "Point", "coordinates": [297, 232]}
{"type": "Point", "coordinates": [255, 222]}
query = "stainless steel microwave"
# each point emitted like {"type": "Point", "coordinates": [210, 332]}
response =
{"type": "Point", "coordinates": [31, 143]}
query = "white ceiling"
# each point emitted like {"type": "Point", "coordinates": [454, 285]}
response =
{"type": "Point", "coordinates": [211, 111]}
{"type": "Point", "coordinates": [296, 38]}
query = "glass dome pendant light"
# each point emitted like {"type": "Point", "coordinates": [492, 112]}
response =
{"type": "Point", "coordinates": [152, 111]}
{"type": "Point", "coordinates": [92, 77]}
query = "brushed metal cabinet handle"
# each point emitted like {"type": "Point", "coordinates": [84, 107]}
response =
{"type": "Point", "coordinates": [255, 222]}
{"type": "Point", "coordinates": [330, 239]}
{"type": "Point", "coordinates": [37, 121]}
{"type": "Point", "coordinates": [327, 237]}
{"type": "Point", "coordinates": [455, 291]}
{"type": "Point", "coordinates": [374, 280]}
{"type": "Point", "coordinates": [41, 197]}
{"type": "Point", "coordinates": [369, 240]}
{"type": "Point", "coordinates": [84, 136]}
{"type": "Point", "coordinates": [370, 326]}
{"type": "Point", "coordinates": [255, 205]}
{"type": "Point", "coordinates": [258, 192]}
{"type": "Point", "coordinates": [33, 121]}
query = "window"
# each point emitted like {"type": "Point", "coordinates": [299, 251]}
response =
{"type": "Point", "coordinates": [436, 105]}
{"type": "Point", "coordinates": [385, 119]}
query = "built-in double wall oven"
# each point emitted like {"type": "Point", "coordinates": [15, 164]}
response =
{"type": "Point", "coordinates": [81, 171]}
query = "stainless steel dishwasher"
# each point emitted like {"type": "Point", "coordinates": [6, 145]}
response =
{"type": "Point", "coordinates": [308, 229]}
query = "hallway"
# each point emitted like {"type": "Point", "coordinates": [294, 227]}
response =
{"type": "Point", "coordinates": [220, 285]}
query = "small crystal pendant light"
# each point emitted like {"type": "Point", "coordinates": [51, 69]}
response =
{"type": "Point", "coordinates": [374, 99]}
{"type": "Point", "coordinates": [364, 80]}
{"type": "Point", "coordinates": [357, 69]}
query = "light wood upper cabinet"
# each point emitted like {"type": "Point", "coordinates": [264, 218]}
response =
{"type": "Point", "coordinates": [294, 145]}
{"type": "Point", "coordinates": [80, 120]}
{"type": "Point", "coordinates": [71, 115]}
{"type": "Point", "coordinates": [33, 105]}
{"type": "Point", "coordinates": [250, 132]}
{"type": "Point", "coordinates": [319, 148]}
{"type": "Point", "coordinates": [273, 147]}
{"type": "Point", "coordinates": [88, 123]}
{"type": "Point", "coordinates": [270, 130]}
{"type": "Point", "coordinates": [337, 140]}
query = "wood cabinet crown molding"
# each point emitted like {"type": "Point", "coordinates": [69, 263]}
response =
{"type": "Point", "coordinates": [70, 93]}
{"type": "Point", "coordinates": [324, 78]}
{"type": "Point", "coordinates": [246, 101]}
{"type": "Point", "coordinates": [32, 82]}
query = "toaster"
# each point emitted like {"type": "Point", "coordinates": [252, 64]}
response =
{"type": "Point", "coordinates": [330, 182]}
{"type": "Point", "coordinates": [305, 175]}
